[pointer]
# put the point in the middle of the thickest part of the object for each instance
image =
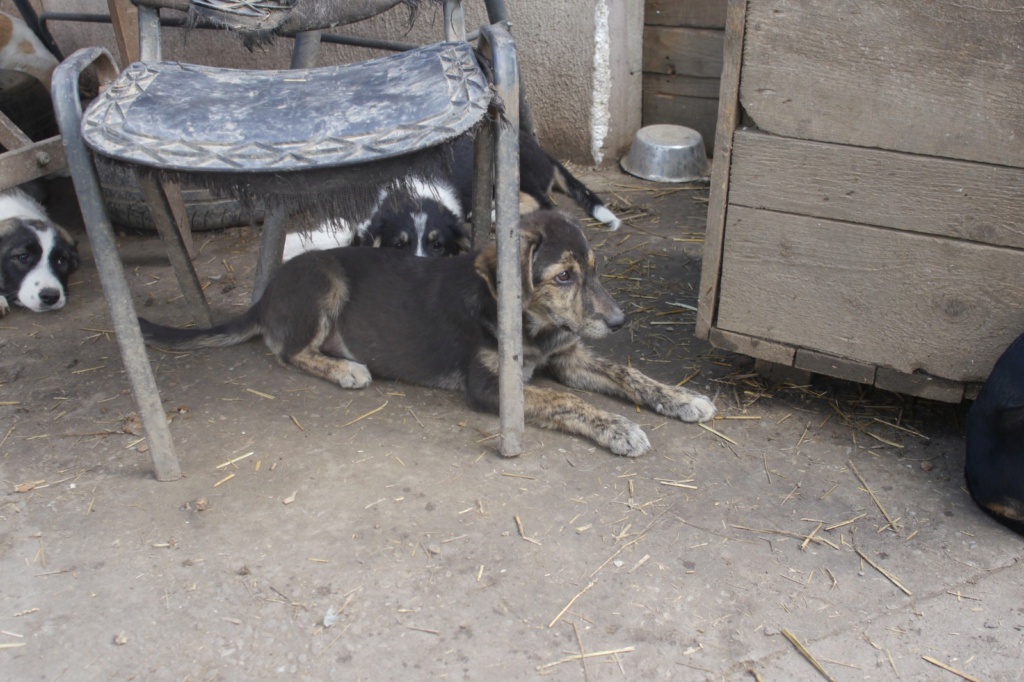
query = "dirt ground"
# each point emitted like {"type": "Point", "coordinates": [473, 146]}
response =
{"type": "Point", "coordinates": [322, 534]}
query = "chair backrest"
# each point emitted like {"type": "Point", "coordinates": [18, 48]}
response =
{"type": "Point", "coordinates": [261, 20]}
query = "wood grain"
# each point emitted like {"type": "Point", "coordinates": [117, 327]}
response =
{"type": "Point", "coordinates": [686, 51]}
{"type": "Point", "coordinates": [876, 296]}
{"type": "Point", "coordinates": [942, 79]}
{"type": "Point", "coordinates": [965, 200]}
{"type": "Point", "coordinates": [728, 118]}
{"type": "Point", "coordinates": [695, 13]}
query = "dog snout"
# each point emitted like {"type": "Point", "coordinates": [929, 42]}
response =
{"type": "Point", "coordinates": [49, 297]}
{"type": "Point", "coordinates": [615, 318]}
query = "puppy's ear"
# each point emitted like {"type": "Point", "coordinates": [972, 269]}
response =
{"type": "Point", "coordinates": [530, 241]}
{"type": "Point", "coordinates": [486, 265]}
{"type": "Point", "coordinates": [462, 239]}
{"type": "Point", "coordinates": [487, 262]}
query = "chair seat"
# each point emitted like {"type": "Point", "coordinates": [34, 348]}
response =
{"type": "Point", "coordinates": [184, 117]}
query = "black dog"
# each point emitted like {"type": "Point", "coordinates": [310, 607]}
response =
{"type": "Point", "coordinates": [346, 315]}
{"type": "Point", "coordinates": [995, 441]}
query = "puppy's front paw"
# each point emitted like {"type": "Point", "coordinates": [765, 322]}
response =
{"type": "Point", "coordinates": [625, 438]}
{"type": "Point", "coordinates": [357, 376]}
{"type": "Point", "coordinates": [5, 307]}
{"type": "Point", "coordinates": [688, 406]}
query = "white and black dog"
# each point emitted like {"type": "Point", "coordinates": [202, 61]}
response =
{"type": "Point", "coordinates": [428, 218]}
{"type": "Point", "coordinates": [36, 256]}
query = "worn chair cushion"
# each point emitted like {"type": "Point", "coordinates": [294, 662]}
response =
{"type": "Point", "coordinates": [183, 117]}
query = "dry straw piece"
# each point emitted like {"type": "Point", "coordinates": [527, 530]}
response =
{"type": "Point", "coordinates": [806, 654]}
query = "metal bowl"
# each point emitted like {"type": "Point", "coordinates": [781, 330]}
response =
{"type": "Point", "coordinates": [667, 153]}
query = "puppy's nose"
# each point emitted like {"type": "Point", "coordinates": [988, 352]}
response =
{"type": "Point", "coordinates": [49, 296]}
{"type": "Point", "coordinates": [615, 320]}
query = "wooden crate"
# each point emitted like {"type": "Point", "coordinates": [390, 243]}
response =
{"type": "Point", "coordinates": [866, 218]}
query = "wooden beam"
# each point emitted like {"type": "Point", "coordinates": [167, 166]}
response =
{"type": "Point", "coordinates": [125, 20]}
{"type": "Point", "coordinates": [728, 118]}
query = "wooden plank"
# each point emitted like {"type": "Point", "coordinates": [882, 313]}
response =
{"type": "Point", "coordinates": [685, 51]}
{"type": "Point", "coordinates": [728, 118]}
{"type": "Point", "coordinates": [763, 349]}
{"type": "Point", "coordinates": [683, 86]}
{"type": "Point", "coordinates": [876, 296]}
{"type": "Point", "coordinates": [782, 374]}
{"type": "Point", "coordinates": [830, 365]}
{"type": "Point", "coordinates": [978, 202]}
{"type": "Point", "coordinates": [942, 79]}
{"type": "Point", "coordinates": [921, 385]}
{"type": "Point", "coordinates": [125, 20]}
{"type": "Point", "coordinates": [30, 162]}
{"type": "Point", "coordinates": [662, 105]}
{"type": "Point", "coordinates": [694, 13]}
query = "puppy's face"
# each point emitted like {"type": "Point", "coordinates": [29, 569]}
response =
{"type": "Point", "coordinates": [421, 227]}
{"type": "Point", "coordinates": [561, 288]}
{"type": "Point", "coordinates": [36, 259]}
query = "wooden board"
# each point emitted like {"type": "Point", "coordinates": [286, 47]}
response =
{"type": "Point", "coordinates": [763, 349]}
{"type": "Point", "coordinates": [942, 79]}
{"type": "Point", "coordinates": [728, 118]}
{"type": "Point", "coordinates": [667, 99]}
{"type": "Point", "coordinates": [684, 51]}
{"type": "Point", "coordinates": [973, 201]}
{"type": "Point", "coordinates": [693, 13]}
{"type": "Point", "coordinates": [876, 296]}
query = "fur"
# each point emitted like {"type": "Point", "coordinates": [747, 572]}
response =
{"type": "Point", "coordinates": [346, 315]}
{"type": "Point", "coordinates": [539, 175]}
{"type": "Point", "coordinates": [36, 256]}
{"type": "Point", "coordinates": [21, 50]}
{"type": "Point", "coordinates": [995, 441]}
{"type": "Point", "coordinates": [427, 216]}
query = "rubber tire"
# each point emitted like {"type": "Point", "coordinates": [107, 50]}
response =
{"type": "Point", "coordinates": [126, 207]}
{"type": "Point", "coordinates": [26, 101]}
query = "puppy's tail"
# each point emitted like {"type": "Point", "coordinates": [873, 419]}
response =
{"type": "Point", "coordinates": [230, 333]}
{"type": "Point", "coordinates": [590, 202]}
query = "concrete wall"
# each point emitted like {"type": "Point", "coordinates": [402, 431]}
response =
{"type": "Point", "coordinates": [580, 61]}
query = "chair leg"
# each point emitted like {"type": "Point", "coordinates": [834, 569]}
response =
{"type": "Point", "coordinates": [173, 236]}
{"type": "Point", "coordinates": [497, 13]}
{"type": "Point", "coordinates": [510, 292]}
{"type": "Point", "coordinates": [108, 263]}
{"type": "Point", "coordinates": [272, 237]}
{"type": "Point", "coordinates": [483, 184]}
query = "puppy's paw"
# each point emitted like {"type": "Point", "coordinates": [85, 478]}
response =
{"type": "Point", "coordinates": [625, 438]}
{"type": "Point", "coordinates": [5, 307]}
{"type": "Point", "coordinates": [357, 376]}
{"type": "Point", "coordinates": [688, 407]}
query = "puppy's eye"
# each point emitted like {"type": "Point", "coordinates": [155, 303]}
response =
{"type": "Point", "coordinates": [564, 277]}
{"type": "Point", "coordinates": [24, 257]}
{"type": "Point", "coordinates": [437, 246]}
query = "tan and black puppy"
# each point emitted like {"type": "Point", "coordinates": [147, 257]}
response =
{"type": "Point", "coordinates": [347, 315]}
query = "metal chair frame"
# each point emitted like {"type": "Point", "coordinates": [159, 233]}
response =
{"type": "Point", "coordinates": [496, 158]}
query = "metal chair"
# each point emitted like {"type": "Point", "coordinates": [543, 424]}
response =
{"type": "Point", "coordinates": [295, 139]}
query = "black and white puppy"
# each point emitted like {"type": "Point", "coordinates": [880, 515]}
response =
{"type": "Point", "coordinates": [428, 217]}
{"type": "Point", "coordinates": [36, 256]}
{"type": "Point", "coordinates": [425, 219]}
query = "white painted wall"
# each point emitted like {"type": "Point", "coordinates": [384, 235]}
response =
{"type": "Point", "coordinates": [580, 62]}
